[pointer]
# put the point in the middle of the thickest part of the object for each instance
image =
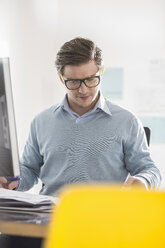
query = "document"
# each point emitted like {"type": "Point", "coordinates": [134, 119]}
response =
{"type": "Point", "coordinates": [27, 197]}
{"type": "Point", "coordinates": [21, 201]}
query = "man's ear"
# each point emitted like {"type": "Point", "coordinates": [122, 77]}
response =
{"type": "Point", "coordinates": [61, 79]}
{"type": "Point", "coordinates": [101, 71]}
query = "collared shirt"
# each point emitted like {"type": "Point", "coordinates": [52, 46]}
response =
{"type": "Point", "coordinates": [99, 106]}
{"type": "Point", "coordinates": [106, 144]}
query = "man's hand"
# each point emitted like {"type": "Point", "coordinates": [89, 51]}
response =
{"type": "Point", "coordinates": [7, 184]}
{"type": "Point", "coordinates": [132, 181]}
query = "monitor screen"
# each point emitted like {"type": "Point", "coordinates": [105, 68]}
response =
{"type": "Point", "coordinates": [9, 157]}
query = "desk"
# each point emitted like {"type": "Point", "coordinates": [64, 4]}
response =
{"type": "Point", "coordinates": [23, 229]}
{"type": "Point", "coordinates": [32, 225]}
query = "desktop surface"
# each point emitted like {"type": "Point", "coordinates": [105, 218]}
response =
{"type": "Point", "coordinates": [30, 225]}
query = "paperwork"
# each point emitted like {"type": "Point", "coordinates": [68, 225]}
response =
{"type": "Point", "coordinates": [12, 200]}
{"type": "Point", "coordinates": [26, 197]}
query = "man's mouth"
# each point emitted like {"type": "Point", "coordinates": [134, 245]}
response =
{"type": "Point", "coordinates": [84, 97]}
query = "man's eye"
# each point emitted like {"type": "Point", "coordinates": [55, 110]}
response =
{"type": "Point", "coordinates": [90, 79]}
{"type": "Point", "coordinates": [74, 81]}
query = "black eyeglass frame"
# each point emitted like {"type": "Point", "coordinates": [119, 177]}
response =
{"type": "Point", "coordinates": [82, 81]}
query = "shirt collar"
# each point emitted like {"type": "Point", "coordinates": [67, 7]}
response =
{"type": "Point", "coordinates": [101, 104]}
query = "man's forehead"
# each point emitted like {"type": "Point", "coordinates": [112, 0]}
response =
{"type": "Point", "coordinates": [80, 71]}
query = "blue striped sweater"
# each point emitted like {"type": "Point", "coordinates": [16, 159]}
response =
{"type": "Point", "coordinates": [103, 145]}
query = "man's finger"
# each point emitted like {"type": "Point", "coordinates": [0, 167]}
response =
{"type": "Point", "coordinates": [4, 183]}
{"type": "Point", "coordinates": [3, 180]}
{"type": "Point", "coordinates": [13, 185]}
{"type": "Point", "coordinates": [132, 181]}
{"type": "Point", "coordinates": [129, 181]}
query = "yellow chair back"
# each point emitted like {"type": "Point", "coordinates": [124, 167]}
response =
{"type": "Point", "coordinates": [103, 216]}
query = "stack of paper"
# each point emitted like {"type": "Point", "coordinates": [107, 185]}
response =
{"type": "Point", "coordinates": [25, 205]}
{"type": "Point", "coordinates": [17, 200]}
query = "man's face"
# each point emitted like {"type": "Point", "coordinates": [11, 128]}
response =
{"type": "Point", "coordinates": [83, 99]}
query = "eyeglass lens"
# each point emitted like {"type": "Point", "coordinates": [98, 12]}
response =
{"type": "Point", "coordinates": [89, 82]}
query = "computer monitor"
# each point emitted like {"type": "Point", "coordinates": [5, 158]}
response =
{"type": "Point", "coordinates": [9, 156]}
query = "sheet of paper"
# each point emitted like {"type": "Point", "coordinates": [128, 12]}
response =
{"type": "Point", "coordinates": [38, 209]}
{"type": "Point", "coordinates": [27, 197]}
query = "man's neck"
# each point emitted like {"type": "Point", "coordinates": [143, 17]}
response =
{"type": "Point", "coordinates": [82, 110]}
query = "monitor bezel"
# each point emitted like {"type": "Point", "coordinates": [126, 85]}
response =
{"type": "Point", "coordinates": [11, 117]}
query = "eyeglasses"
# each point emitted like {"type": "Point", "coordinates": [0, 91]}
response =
{"type": "Point", "coordinates": [74, 84]}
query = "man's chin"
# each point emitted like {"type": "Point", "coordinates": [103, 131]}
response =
{"type": "Point", "coordinates": [86, 105]}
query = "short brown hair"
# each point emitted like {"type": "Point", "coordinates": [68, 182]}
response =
{"type": "Point", "coordinates": [76, 52]}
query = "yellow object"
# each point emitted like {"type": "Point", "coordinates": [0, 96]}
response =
{"type": "Point", "coordinates": [99, 216]}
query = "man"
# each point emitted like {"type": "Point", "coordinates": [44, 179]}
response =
{"type": "Point", "coordinates": [86, 138]}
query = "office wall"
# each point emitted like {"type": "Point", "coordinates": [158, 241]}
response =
{"type": "Point", "coordinates": [131, 34]}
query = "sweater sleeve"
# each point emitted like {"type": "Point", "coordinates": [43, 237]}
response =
{"type": "Point", "coordinates": [137, 156]}
{"type": "Point", "coordinates": [30, 162]}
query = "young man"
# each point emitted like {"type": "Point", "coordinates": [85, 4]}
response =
{"type": "Point", "coordinates": [85, 138]}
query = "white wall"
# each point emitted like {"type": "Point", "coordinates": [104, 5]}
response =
{"type": "Point", "coordinates": [130, 33]}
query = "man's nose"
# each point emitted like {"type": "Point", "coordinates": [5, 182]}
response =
{"type": "Point", "coordinates": [83, 88]}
